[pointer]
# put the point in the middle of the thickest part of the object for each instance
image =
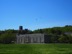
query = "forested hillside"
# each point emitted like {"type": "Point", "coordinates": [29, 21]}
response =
{"type": "Point", "coordinates": [56, 34]}
{"type": "Point", "coordinates": [55, 30]}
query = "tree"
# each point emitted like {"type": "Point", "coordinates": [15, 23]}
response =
{"type": "Point", "coordinates": [70, 38]}
{"type": "Point", "coordinates": [7, 37]}
{"type": "Point", "coordinates": [54, 38]}
{"type": "Point", "coordinates": [63, 39]}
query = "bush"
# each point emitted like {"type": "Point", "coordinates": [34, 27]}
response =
{"type": "Point", "coordinates": [7, 37]}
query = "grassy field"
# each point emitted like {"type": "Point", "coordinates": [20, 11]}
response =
{"type": "Point", "coordinates": [35, 48]}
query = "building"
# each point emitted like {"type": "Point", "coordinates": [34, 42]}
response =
{"type": "Point", "coordinates": [31, 38]}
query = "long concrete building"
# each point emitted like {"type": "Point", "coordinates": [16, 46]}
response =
{"type": "Point", "coordinates": [31, 38]}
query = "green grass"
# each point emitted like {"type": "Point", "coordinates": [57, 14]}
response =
{"type": "Point", "coordinates": [35, 48]}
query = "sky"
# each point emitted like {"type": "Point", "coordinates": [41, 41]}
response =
{"type": "Point", "coordinates": [35, 14]}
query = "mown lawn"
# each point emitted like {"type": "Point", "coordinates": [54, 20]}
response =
{"type": "Point", "coordinates": [35, 48]}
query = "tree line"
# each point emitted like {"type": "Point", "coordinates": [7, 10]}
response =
{"type": "Point", "coordinates": [56, 34]}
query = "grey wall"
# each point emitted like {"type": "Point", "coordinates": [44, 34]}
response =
{"type": "Point", "coordinates": [30, 38]}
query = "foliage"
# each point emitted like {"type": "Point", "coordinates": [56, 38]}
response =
{"type": "Point", "coordinates": [56, 34]}
{"type": "Point", "coordinates": [7, 37]}
{"type": "Point", "coordinates": [55, 30]}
